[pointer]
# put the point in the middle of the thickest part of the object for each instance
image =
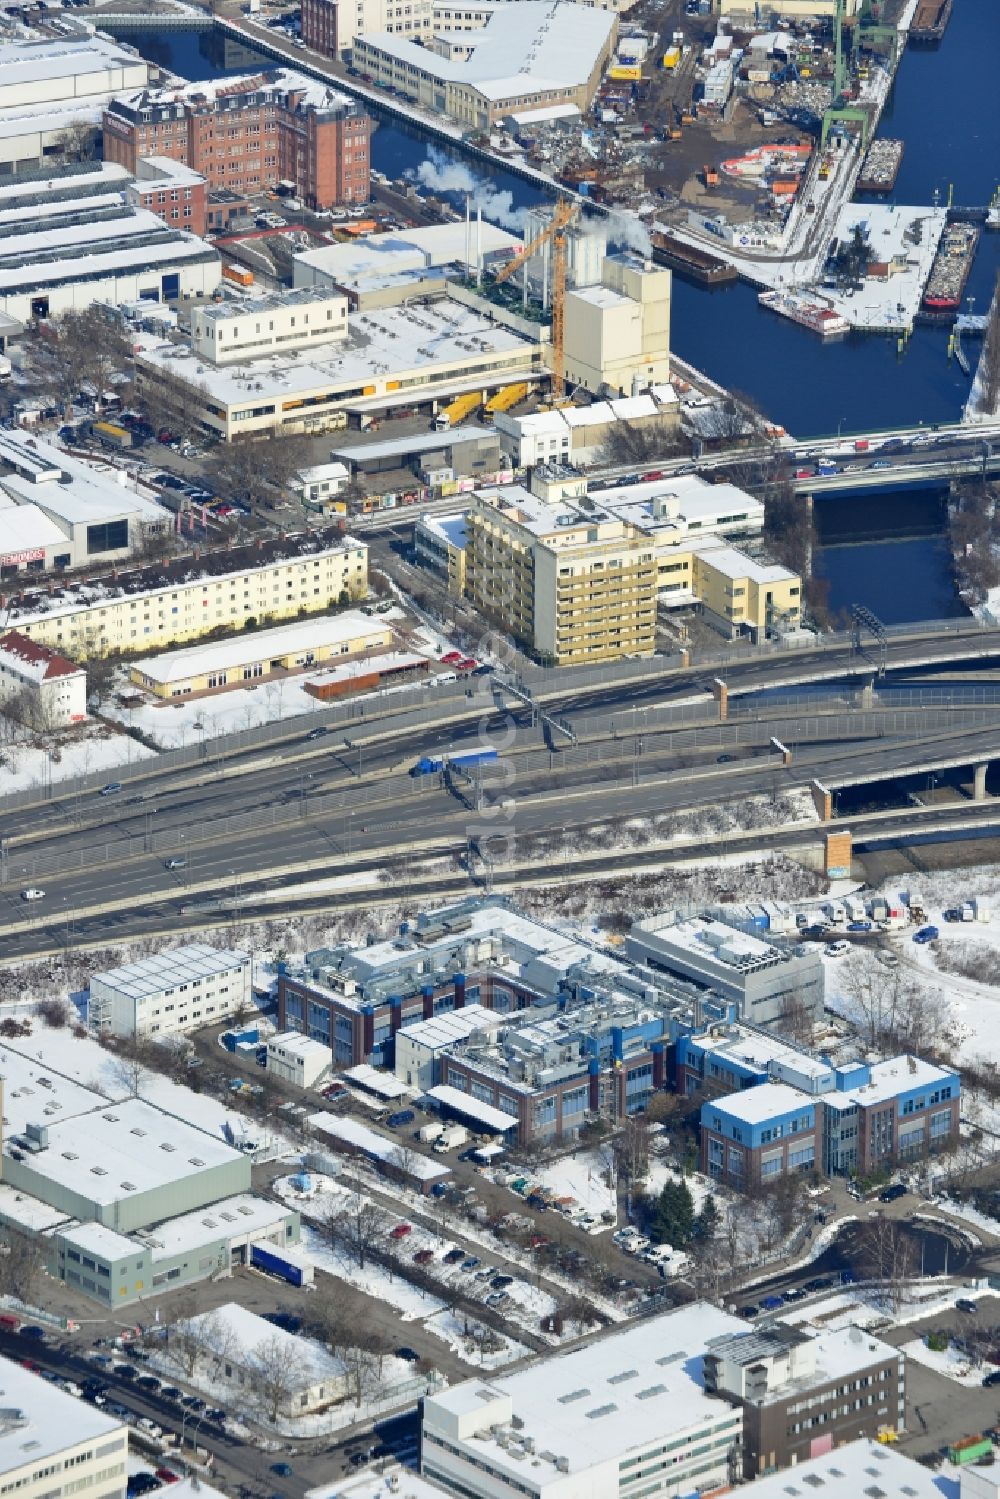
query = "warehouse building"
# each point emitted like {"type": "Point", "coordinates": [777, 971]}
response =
{"type": "Point", "coordinates": [529, 55]}
{"type": "Point", "coordinates": [51, 691]}
{"type": "Point", "coordinates": [172, 992]}
{"type": "Point", "coordinates": [460, 453]}
{"type": "Point", "coordinates": [67, 243]}
{"type": "Point", "coordinates": [58, 513]}
{"type": "Point", "coordinates": [631, 1411]}
{"type": "Point", "coordinates": [51, 1442]}
{"type": "Point", "coordinates": [276, 578]}
{"type": "Point", "coordinates": [256, 657]}
{"type": "Point", "coordinates": [400, 355]}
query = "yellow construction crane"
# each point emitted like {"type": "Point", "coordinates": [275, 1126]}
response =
{"type": "Point", "coordinates": [565, 212]}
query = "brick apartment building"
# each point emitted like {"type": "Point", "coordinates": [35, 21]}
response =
{"type": "Point", "coordinates": [172, 191]}
{"type": "Point", "coordinates": [249, 133]}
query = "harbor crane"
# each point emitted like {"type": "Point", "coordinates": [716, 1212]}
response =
{"type": "Point", "coordinates": [555, 231]}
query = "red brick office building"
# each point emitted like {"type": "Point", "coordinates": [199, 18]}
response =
{"type": "Point", "coordinates": [249, 133]}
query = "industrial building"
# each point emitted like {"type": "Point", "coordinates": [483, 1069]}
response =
{"type": "Point", "coordinates": [383, 269]}
{"type": "Point", "coordinates": [51, 1441]}
{"type": "Point", "coordinates": [577, 434]}
{"type": "Point", "coordinates": [224, 332]}
{"type": "Point", "coordinates": [50, 690]}
{"type": "Point", "coordinates": [278, 125]}
{"type": "Point", "coordinates": [257, 656]}
{"type": "Point", "coordinates": [58, 513]}
{"type": "Point", "coordinates": [767, 980]}
{"type": "Point", "coordinates": [467, 452]}
{"type": "Point", "coordinates": [629, 1413]}
{"type": "Point", "coordinates": [159, 606]}
{"type": "Point", "coordinates": [618, 331]}
{"type": "Point", "coordinates": [72, 239]}
{"type": "Point", "coordinates": [531, 54]}
{"type": "Point", "coordinates": [410, 355]}
{"type": "Point", "coordinates": [420, 1046]}
{"type": "Point", "coordinates": [172, 992]}
{"type": "Point", "coordinates": [574, 587]}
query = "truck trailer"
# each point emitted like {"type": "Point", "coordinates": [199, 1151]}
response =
{"type": "Point", "coordinates": [463, 760]}
{"type": "Point", "coordinates": [286, 1263]}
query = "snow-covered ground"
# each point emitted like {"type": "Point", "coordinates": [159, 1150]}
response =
{"type": "Point", "coordinates": [582, 1175]}
{"type": "Point", "coordinates": [474, 1342]}
{"type": "Point", "coordinates": [91, 747]}
{"type": "Point", "coordinates": [953, 1363]}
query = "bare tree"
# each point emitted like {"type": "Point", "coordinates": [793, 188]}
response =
{"type": "Point", "coordinates": [356, 1225]}
{"type": "Point", "coordinates": [128, 1070]}
{"type": "Point", "coordinates": [257, 472]}
{"type": "Point", "coordinates": [77, 142]}
{"type": "Point", "coordinates": [631, 1149]}
{"type": "Point", "coordinates": [893, 1011]}
{"type": "Point", "coordinates": [277, 1370]}
{"type": "Point", "coordinates": [886, 1256]}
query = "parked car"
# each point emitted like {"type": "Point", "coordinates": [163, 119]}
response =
{"type": "Point", "coordinates": [991, 1379]}
{"type": "Point", "coordinates": [410, 1355]}
{"type": "Point", "coordinates": [837, 949]}
{"type": "Point", "coordinates": [423, 1256]}
{"type": "Point", "coordinates": [772, 1303]}
{"type": "Point", "coordinates": [859, 926]}
{"type": "Point", "coordinates": [965, 1305]}
{"type": "Point", "coordinates": [454, 1256]}
{"type": "Point", "coordinates": [953, 914]}
{"type": "Point", "coordinates": [892, 1193]}
{"type": "Point", "coordinates": [926, 934]}
{"type": "Point", "coordinates": [283, 1470]}
{"type": "Point", "coordinates": [401, 1230]}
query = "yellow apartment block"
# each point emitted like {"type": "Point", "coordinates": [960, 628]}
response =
{"type": "Point", "coordinates": [737, 593]}
{"type": "Point", "coordinates": [439, 543]}
{"type": "Point", "coordinates": [188, 598]}
{"type": "Point", "coordinates": [248, 658]}
{"type": "Point", "coordinates": [572, 587]}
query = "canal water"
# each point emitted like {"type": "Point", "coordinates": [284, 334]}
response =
{"type": "Point", "coordinates": [943, 107]}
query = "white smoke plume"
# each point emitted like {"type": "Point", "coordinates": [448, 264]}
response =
{"type": "Point", "coordinates": [440, 174]}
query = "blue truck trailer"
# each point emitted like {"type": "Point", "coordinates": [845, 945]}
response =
{"type": "Point", "coordinates": [286, 1263]}
{"type": "Point", "coordinates": [462, 760]}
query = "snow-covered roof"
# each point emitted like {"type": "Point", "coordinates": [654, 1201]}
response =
{"type": "Point", "coordinates": [857, 1468]}
{"type": "Point", "coordinates": [353, 1135]}
{"type": "Point", "coordinates": [395, 341]}
{"type": "Point", "coordinates": [413, 445]}
{"type": "Point", "coordinates": [447, 528]}
{"type": "Point", "coordinates": [890, 1078]}
{"type": "Point", "coordinates": [279, 81]}
{"type": "Point", "coordinates": [472, 1108]}
{"type": "Point", "coordinates": [736, 564]}
{"type": "Point", "coordinates": [284, 640]}
{"type": "Point", "coordinates": [766, 1101]}
{"type": "Point", "coordinates": [25, 528]}
{"type": "Point", "coordinates": [526, 47]}
{"type": "Point", "coordinates": [29, 658]}
{"type": "Point", "coordinates": [376, 1081]}
{"type": "Point", "coordinates": [166, 970]}
{"type": "Point", "coordinates": [254, 1337]}
{"type": "Point", "coordinates": [62, 57]}
{"type": "Point", "coordinates": [50, 1421]}
{"type": "Point", "coordinates": [546, 115]}
{"type": "Point", "coordinates": [598, 1403]}
{"type": "Point", "coordinates": [125, 1147]}
{"type": "Point", "coordinates": [94, 1238]}
{"type": "Point", "coordinates": [451, 1026]}
{"type": "Point", "coordinates": [233, 1217]}
{"type": "Point", "coordinates": [398, 250]}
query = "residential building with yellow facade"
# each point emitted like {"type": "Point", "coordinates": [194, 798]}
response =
{"type": "Point", "coordinates": [574, 587]}
{"type": "Point", "coordinates": [256, 657]}
{"type": "Point", "coordinates": [190, 597]}
{"type": "Point", "coordinates": [439, 543]}
{"type": "Point", "coordinates": [740, 595]}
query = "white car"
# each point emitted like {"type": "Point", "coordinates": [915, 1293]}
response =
{"type": "Point", "coordinates": [837, 949]}
{"type": "Point", "coordinates": [32, 894]}
{"type": "Point", "coordinates": [149, 1427]}
{"type": "Point", "coordinates": [636, 1245]}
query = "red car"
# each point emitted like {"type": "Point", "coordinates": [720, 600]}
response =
{"type": "Point", "coordinates": [468, 663]}
{"type": "Point", "coordinates": [423, 1256]}
{"type": "Point", "coordinates": [167, 1475]}
{"type": "Point", "coordinates": [401, 1230]}
{"type": "Point", "coordinates": [451, 658]}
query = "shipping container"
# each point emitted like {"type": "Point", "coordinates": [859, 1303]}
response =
{"type": "Point", "coordinates": [451, 1137]}
{"type": "Point", "coordinates": [110, 435]}
{"type": "Point", "coordinates": [238, 274]}
{"type": "Point", "coordinates": [970, 1450]}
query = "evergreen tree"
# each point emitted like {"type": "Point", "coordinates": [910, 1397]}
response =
{"type": "Point", "coordinates": [674, 1219]}
{"type": "Point", "coordinates": [706, 1225]}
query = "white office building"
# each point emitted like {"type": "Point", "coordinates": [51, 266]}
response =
{"type": "Point", "coordinates": [420, 1047]}
{"type": "Point", "coordinates": [171, 992]}
{"type": "Point", "coordinates": [627, 1416]}
{"type": "Point", "coordinates": [52, 1443]}
{"type": "Point", "coordinates": [224, 331]}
